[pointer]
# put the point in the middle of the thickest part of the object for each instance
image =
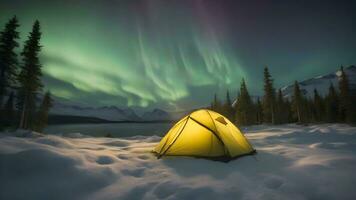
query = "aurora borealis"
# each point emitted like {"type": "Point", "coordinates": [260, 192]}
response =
{"type": "Point", "coordinates": [177, 54]}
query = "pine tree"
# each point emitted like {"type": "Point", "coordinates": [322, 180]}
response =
{"type": "Point", "coordinates": [30, 77]}
{"type": "Point", "coordinates": [244, 108]}
{"type": "Point", "coordinates": [352, 98]}
{"type": "Point", "coordinates": [280, 107]}
{"type": "Point", "coordinates": [42, 115]}
{"type": "Point", "coordinates": [319, 107]}
{"type": "Point", "coordinates": [289, 112]}
{"type": "Point", "coordinates": [228, 110]}
{"type": "Point", "coordinates": [216, 105]}
{"type": "Point", "coordinates": [332, 104]}
{"type": "Point", "coordinates": [211, 107]}
{"type": "Point", "coordinates": [8, 117]}
{"type": "Point", "coordinates": [297, 102]}
{"type": "Point", "coordinates": [8, 56]}
{"type": "Point", "coordinates": [309, 110]}
{"type": "Point", "coordinates": [268, 98]}
{"type": "Point", "coordinates": [259, 111]}
{"type": "Point", "coordinates": [344, 101]}
{"type": "Point", "coordinates": [228, 99]}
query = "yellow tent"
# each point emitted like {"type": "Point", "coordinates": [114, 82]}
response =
{"type": "Point", "coordinates": [204, 133]}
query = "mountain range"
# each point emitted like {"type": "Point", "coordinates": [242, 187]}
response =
{"type": "Point", "coordinates": [63, 110]}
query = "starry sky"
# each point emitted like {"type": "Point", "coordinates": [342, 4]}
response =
{"type": "Point", "coordinates": [175, 54]}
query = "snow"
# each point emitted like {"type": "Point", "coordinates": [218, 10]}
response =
{"type": "Point", "coordinates": [322, 83]}
{"type": "Point", "coordinates": [111, 113]}
{"type": "Point", "coordinates": [293, 162]}
{"type": "Point", "coordinates": [156, 115]}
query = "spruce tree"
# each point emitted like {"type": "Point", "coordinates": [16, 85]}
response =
{"type": "Point", "coordinates": [344, 100]}
{"type": "Point", "coordinates": [228, 110]}
{"type": "Point", "coordinates": [30, 77]}
{"type": "Point", "coordinates": [216, 105]}
{"type": "Point", "coordinates": [8, 56]}
{"type": "Point", "coordinates": [259, 111]}
{"type": "Point", "coordinates": [211, 107]}
{"type": "Point", "coordinates": [268, 98]}
{"type": "Point", "coordinates": [8, 117]}
{"type": "Point", "coordinates": [289, 112]}
{"type": "Point", "coordinates": [319, 108]}
{"type": "Point", "coordinates": [332, 104]}
{"type": "Point", "coordinates": [244, 107]}
{"type": "Point", "coordinates": [297, 102]}
{"type": "Point", "coordinates": [309, 110]}
{"type": "Point", "coordinates": [280, 109]}
{"type": "Point", "coordinates": [351, 117]}
{"type": "Point", "coordinates": [228, 99]}
{"type": "Point", "coordinates": [42, 115]}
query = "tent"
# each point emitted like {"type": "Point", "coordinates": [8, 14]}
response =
{"type": "Point", "coordinates": [204, 133]}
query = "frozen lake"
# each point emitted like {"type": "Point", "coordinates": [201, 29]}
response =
{"type": "Point", "coordinates": [115, 129]}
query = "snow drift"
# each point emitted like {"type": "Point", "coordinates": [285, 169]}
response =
{"type": "Point", "coordinates": [293, 162]}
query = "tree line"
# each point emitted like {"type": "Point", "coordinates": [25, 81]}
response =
{"type": "Point", "coordinates": [20, 79]}
{"type": "Point", "coordinates": [274, 108]}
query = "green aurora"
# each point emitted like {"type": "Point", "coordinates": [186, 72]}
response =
{"type": "Point", "coordinates": [173, 54]}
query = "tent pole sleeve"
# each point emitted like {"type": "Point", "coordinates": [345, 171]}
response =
{"type": "Point", "coordinates": [207, 128]}
{"type": "Point", "coordinates": [164, 145]}
{"type": "Point", "coordinates": [160, 155]}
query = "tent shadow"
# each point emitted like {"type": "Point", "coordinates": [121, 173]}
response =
{"type": "Point", "coordinates": [190, 166]}
{"type": "Point", "coordinates": [262, 162]}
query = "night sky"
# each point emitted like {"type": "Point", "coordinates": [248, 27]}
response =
{"type": "Point", "coordinates": [177, 54]}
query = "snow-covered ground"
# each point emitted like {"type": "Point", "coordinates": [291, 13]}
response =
{"type": "Point", "coordinates": [293, 162]}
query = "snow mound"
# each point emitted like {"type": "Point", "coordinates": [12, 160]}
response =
{"type": "Point", "coordinates": [293, 162]}
{"type": "Point", "coordinates": [74, 135]}
{"type": "Point", "coordinates": [26, 133]}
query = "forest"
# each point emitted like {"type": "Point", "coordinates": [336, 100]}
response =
{"type": "Point", "coordinates": [337, 106]}
{"type": "Point", "coordinates": [20, 80]}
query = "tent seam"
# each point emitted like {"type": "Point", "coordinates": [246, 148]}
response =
{"type": "Point", "coordinates": [213, 132]}
{"type": "Point", "coordinates": [175, 139]}
{"type": "Point", "coordinates": [227, 150]}
{"type": "Point", "coordinates": [166, 141]}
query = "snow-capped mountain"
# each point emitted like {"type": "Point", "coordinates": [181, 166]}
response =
{"type": "Point", "coordinates": [162, 115]}
{"type": "Point", "coordinates": [63, 108]}
{"type": "Point", "coordinates": [322, 83]}
{"type": "Point", "coordinates": [156, 115]}
{"type": "Point", "coordinates": [111, 113]}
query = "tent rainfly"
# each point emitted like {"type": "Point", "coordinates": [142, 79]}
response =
{"type": "Point", "coordinates": [204, 133]}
